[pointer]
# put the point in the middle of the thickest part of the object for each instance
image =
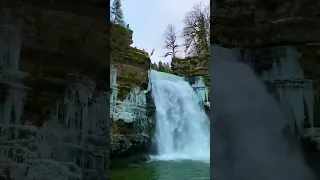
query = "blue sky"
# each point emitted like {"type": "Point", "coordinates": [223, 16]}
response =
{"type": "Point", "coordinates": [149, 19]}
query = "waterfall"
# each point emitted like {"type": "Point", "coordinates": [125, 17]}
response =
{"type": "Point", "coordinates": [251, 137]}
{"type": "Point", "coordinates": [182, 127]}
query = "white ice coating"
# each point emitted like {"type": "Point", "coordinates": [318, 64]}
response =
{"type": "Point", "coordinates": [182, 126]}
{"type": "Point", "coordinates": [202, 91]}
{"type": "Point", "coordinates": [71, 144]}
{"type": "Point", "coordinates": [9, 73]}
{"type": "Point", "coordinates": [292, 99]}
{"type": "Point", "coordinates": [133, 107]}
{"type": "Point", "coordinates": [251, 137]}
{"type": "Point", "coordinates": [293, 93]}
{"type": "Point", "coordinates": [113, 84]}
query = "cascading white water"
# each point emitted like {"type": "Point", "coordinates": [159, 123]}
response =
{"type": "Point", "coordinates": [251, 137]}
{"type": "Point", "coordinates": [182, 127]}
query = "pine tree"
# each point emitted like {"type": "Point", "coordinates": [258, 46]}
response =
{"type": "Point", "coordinates": [154, 66]}
{"type": "Point", "coordinates": [116, 13]}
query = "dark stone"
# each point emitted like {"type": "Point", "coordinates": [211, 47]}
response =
{"type": "Point", "coordinates": [311, 154]}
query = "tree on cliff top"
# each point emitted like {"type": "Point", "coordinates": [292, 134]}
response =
{"type": "Point", "coordinates": [119, 34]}
{"type": "Point", "coordinates": [196, 31]}
{"type": "Point", "coordinates": [171, 45]}
{"type": "Point", "coordinates": [116, 13]}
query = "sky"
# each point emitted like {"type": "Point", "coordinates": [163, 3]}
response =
{"type": "Point", "coordinates": [149, 19]}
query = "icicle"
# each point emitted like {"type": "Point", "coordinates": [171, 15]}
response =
{"type": "Point", "coordinates": [132, 108]}
{"type": "Point", "coordinates": [291, 94]}
{"type": "Point", "coordinates": [201, 90]}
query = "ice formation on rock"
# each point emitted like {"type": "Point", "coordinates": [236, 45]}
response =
{"type": "Point", "coordinates": [201, 89]}
{"type": "Point", "coordinates": [252, 138]}
{"type": "Point", "coordinates": [280, 69]}
{"type": "Point", "coordinates": [133, 109]}
{"type": "Point", "coordinates": [72, 143]}
{"type": "Point", "coordinates": [113, 84]}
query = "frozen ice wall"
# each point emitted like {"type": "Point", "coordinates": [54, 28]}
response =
{"type": "Point", "coordinates": [113, 84]}
{"type": "Point", "coordinates": [280, 69]}
{"type": "Point", "coordinates": [76, 132]}
{"type": "Point", "coordinates": [251, 133]}
{"type": "Point", "coordinates": [72, 143]}
{"type": "Point", "coordinates": [133, 109]}
{"type": "Point", "coordinates": [202, 91]}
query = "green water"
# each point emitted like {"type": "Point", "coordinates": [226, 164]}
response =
{"type": "Point", "coordinates": [163, 170]}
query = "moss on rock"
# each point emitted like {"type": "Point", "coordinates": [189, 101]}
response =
{"type": "Point", "coordinates": [193, 66]}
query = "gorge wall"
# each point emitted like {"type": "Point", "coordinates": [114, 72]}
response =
{"type": "Point", "coordinates": [193, 66]}
{"type": "Point", "coordinates": [132, 109]}
{"type": "Point", "coordinates": [257, 27]}
{"type": "Point", "coordinates": [280, 41]}
{"type": "Point", "coordinates": [54, 90]}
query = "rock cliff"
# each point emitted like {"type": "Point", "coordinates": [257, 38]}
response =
{"type": "Point", "coordinates": [255, 23]}
{"type": "Point", "coordinates": [279, 39]}
{"type": "Point", "coordinates": [262, 28]}
{"type": "Point", "coordinates": [193, 66]}
{"type": "Point", "coordinates": [132, 109]}
{"type": "Point", "coordinates": [54, 90]}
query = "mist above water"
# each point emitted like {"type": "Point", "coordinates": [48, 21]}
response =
{"type": "Point", "coordinates": [251, 139]}
{"type": "Point", "coordinates": [182, 126]}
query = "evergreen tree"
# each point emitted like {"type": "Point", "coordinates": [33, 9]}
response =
{"type": "Point", "coordinates": [116, 13]}
{"type": "Point", "coordinates": [161, 67]}
{"type": "Point", "coordinates": [154, 66]}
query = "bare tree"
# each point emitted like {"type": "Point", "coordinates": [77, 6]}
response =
{"type": "Point", "coordinates": [196, 31]}
{"type": "Point", "coordinates": [171, 45]}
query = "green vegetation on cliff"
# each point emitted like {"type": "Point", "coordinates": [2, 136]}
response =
{"type": "Point", "coordinates": [193, 66]}
{"type": "Point", "coordinates": [162, 67]}
{"type": "Point", "coordinates": [132, 63]}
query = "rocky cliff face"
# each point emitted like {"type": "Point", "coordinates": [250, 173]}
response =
{"type": "Point", "coordinates": [132, 71]}
{"type": "Point", "coordinates": [253, 23]}
{"type": "Point", "coordinates": [193, 66]}
{"type": "Point", "coordinates": [279, 39]}
{"type": "Point", "coordinates": [132, 109]}
{"type": "Point", "coordinates": [58, 45]}
{"type": "Point", "coordinates": [257, 26]}
{"type": "Point", "coordinates": [54, 89]}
